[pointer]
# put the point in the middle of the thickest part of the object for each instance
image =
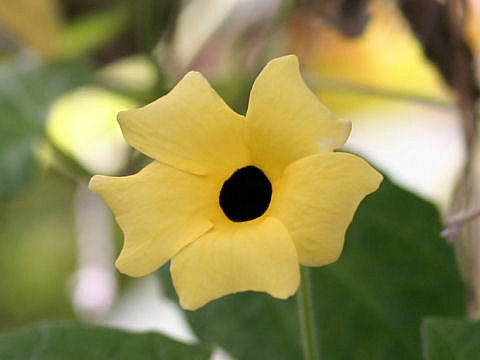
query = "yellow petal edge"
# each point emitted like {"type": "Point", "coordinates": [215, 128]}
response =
{"type": "Point", "coordinates": [316, 200]}
{"type": "Point", "coordinates": [159, 210]}
{"type": "Point", "coordinates": [258, 257]}
{"type": "Point", "coordinates": [189, 128]}
{"type": "Point", "coordinates": [285, 119]}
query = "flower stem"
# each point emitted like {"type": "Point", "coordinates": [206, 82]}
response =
{"type": "Point", "coordinates": [307, 316]}
{"type": "Point", "coordinates": [70, 161]}
{"type": "Point", "coordinates": [325, 83]}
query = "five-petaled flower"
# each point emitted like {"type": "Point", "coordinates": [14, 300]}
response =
{"type": "Point", "coordinates": [236, 202]}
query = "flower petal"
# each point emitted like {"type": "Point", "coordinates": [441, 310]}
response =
{"type": "Point", "coordinates": [286, 121]}
{"type": "Point", "coordinates": [250, 256]}
{"type": "Point", "coordinates": [316, 200]}
{"type": "Point", "coordinates": [160, 210]}
{"type": "Point", "coordinates": [190, 128]}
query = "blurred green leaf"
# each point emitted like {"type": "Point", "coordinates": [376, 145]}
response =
{"type": "Point", "coordinates": [450, 339]}
{"type": "Point", "coordinates": [154, 19]}
{"type": "Point", "coordinates": [37, 251]}
{"type": "Point", "coordinates": [72, 341]}
{"type": "Point", "coordinates": [25, 97]}
{"type": "Point", "coordinates": [92, 31]}
{"type": "Point", "coordinates": [395, 269]}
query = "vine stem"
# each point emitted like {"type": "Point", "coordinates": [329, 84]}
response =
{"type": "Point", "coordinates": [307, 316]}
{"type": "Point", "coordinates": [72, 163]}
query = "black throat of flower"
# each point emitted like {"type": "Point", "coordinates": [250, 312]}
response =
{"type": "Point", "coordinates": [246, 194]}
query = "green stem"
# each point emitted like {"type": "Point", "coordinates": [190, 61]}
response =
{"type": "Point", "coordinates": [307, 316]}
{"type": "Point", "coordinates": [344, 86]}
{"type": "Point", "coordinates": [72, 163]}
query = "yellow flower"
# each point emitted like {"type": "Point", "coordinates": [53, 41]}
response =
{"type": "Point", "coordinates": [236, 202]}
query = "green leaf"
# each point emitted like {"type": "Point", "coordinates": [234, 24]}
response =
{"type": "Point", "coordinates": [395, 269]}
{"type": "Point", "coordinates": [450, 339]}
{"type": "Point", "coordinates": [75, 341]}
{"type": "Point", "coordinates": [38, 251]}
{"type": "Point", "coordinates": [25, 97]}
{"type": "Point", "coordinates": [82, 35]}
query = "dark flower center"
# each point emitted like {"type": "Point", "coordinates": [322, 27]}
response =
{"type": "Point", "coordinates": [246, 194]}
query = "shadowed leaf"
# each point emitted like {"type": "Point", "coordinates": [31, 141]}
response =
{"type": "Point", "coordinates": [79, 342]}
{"type": "Point", "coordinates": [450, 339]}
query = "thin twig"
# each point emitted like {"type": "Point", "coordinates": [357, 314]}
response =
{"type": "Point", "coordinates": [455, 222]}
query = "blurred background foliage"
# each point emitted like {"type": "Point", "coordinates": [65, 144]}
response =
{"type": "Point", "coordinates": [405, 73]}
